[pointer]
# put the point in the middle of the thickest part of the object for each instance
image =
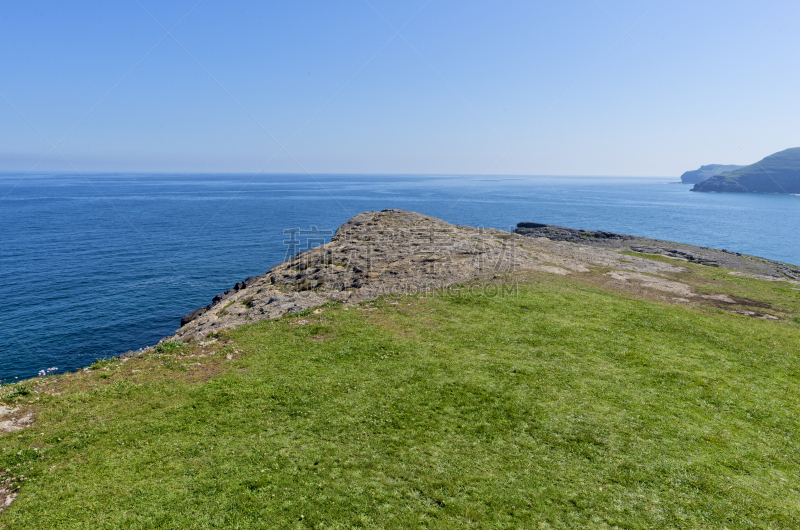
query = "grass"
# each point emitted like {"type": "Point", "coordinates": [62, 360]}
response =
{"type": "Point", "coordinates": [16, 391]}
{"type": "Point", "coordinates": [558, 405]}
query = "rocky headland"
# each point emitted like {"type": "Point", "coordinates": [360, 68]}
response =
{"type": "Point", "coordinates": [396, 251]}
{"type": "Point", "coordinates": [777, 173]}
{"type": "Point", "coordinates": [706, 172]}
{"type": "Point", "coordinates": [512, 310]}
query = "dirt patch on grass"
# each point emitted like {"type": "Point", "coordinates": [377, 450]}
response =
{"type": "Point", "coordinates": [14, 419]}
{"type": "Point", "coordinates": [754, 314]}
{"type": "Point", "coordinates": [201, 372]}
{"type": "Point", "coordinates": [653, 282]}
{"type": "Point", "coordinates": [6, 498]}
{"type": "Point", "coordinates": [729, 299]}
{"type": "Point", "coordinates": [674, 291]}
{"type": "Point", "coordinates": [402, 329]}
{"type": "Point", "coordinates": [763, 277]}
{"type": "Point", "coordinates": [192, 364]}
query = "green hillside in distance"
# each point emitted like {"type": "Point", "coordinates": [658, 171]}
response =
{"type": "Point", "coordinates": [777, 173]}
{"type": "Point", "coordinates": [706, 172]}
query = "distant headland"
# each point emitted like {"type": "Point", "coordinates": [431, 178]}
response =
{"type": "Point", "coordinates": [777, 173]}
{"type": "Point", "coordinates": [706, 172]}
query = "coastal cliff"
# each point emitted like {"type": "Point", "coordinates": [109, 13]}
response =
{"type": "Point", "coordinates": [706, 172]}
{"type": "Point", "coordinates": [777, 173]}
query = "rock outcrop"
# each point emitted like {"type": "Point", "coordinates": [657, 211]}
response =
{"type": "Point", "coordinates": [14, 419]}
{"type": "Point", "coordinates": [560, 233]}
{"type": "Point", "coordinates": [396, 251]}
{"type": "Point", "coordinates": [392, 251]}
{"type": "Point", "coordinates": [701, 255]}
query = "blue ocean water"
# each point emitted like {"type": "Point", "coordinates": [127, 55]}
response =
{"type": "Point", "coordinates": [93, 266]}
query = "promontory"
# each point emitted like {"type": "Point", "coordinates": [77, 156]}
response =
{"type": "Point", "coordinates": [777, 173]}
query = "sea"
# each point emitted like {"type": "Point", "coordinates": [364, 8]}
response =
{"type": "Point", "coordinates": [94, 265]}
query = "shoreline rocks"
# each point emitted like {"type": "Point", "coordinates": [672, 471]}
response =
{"type": "Point", "coordinates": [701, 255]}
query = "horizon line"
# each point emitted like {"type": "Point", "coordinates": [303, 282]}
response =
{"type": "Point", "coordinates": [4, 172]}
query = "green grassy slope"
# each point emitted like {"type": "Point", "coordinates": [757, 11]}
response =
{"type": "Point", "coordinates": [777, 173]}
{"type": "Point", "coordinates": [559, 405]}
{"type": "Point", "coordinates": [706, 172]}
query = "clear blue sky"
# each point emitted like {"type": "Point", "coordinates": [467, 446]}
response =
{"type": "Point", "coordinates": [467, 86]}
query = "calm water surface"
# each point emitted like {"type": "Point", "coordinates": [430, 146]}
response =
{"type": "Point", "coordinates": [96, 266]}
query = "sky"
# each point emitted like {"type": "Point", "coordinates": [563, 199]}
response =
{"type": "Point", "coordinates": [576, 87]}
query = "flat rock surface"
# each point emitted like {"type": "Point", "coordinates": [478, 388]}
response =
{"type": "Point", "coordinates": [396, 251]}
{"type": "Point", "coordinates": [6, 498]}
{"type": "Point", "coordinates": [702, 255]}
{"type": "Point", "coordinates": [13, 419]}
